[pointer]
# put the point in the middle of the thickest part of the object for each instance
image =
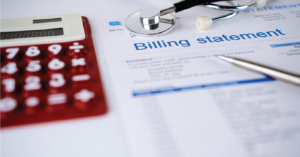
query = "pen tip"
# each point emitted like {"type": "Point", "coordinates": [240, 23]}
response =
{"type": "Point", "coordinates": [224, 58]}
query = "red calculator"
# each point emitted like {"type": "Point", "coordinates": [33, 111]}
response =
{"type": "Point", "coordinates": [49, 70]}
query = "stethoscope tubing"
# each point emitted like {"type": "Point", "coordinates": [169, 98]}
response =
{"type": "Point", "coordinates": [225, 17]}
{"type": "Point", "coordinates": [231, 8]}
{"type": "Point", "coordinates": [232, 14]}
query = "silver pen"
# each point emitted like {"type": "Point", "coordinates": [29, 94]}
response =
{"type": "Point", "coordinates": [276, 73]}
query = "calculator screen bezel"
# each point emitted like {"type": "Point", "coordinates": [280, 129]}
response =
{"type": "Point", "coordinates": [71, 23]}
{"type": "Point", "coordinates": [32, 33]}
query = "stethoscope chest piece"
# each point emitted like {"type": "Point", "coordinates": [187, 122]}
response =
{"type": "Point", "coordinates": [149, 23]}
{"type": "Point", "coordinates": [152, 22]}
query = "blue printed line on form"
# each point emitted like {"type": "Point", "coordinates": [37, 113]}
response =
{"type": "Point", "coordinates": [203, 86]}
{"type": "Point", "coordinates": [115, 23]}
{"type": "Point", "coordinates": [285, 44]}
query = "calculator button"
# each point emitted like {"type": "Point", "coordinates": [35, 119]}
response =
{"type": "Point", "coordinates": [54, 50]}
{"type": "Point", "coordinates": [9, 69]}
{"type": "Point", "coordinates": [57, 102]}
{"type": "Point", "coordinates": [83, 77]}
{"type": "Point", "coordinates": [7, 105]}
{"type": "Point", "coordinates": [57, 82]}
{"type": "Point", "coordinates": [11, 53]}
{"type": "Point", "coordinates": [32, 53]}
{"type": "Point", "coordinates": [9, 85]}
{"type": "Point", "coordinates": [78, 65]}
{"type": "Point", "coordinates": [76, 50]}
{"type": "Point", "coordinates": [31, 104]}
{"type": "Point", "coordinates": [56, 65]}
{"type": "Point", "coordinates": [82, 98]}
{"type": "Point", "coordinates": [32, 85]}
{"type": "Point", "coordinates": [34, 67]}
{"type": "Point", "coordinates": [78, 62]}
{"type": "Point", "coordinates": [81, 80]}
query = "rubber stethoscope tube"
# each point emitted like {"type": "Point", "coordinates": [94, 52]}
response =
{"type": "Point", "coordinates": [186, 4]}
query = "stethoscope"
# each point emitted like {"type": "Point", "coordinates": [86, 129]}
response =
{"type": "Point", "coordinates": [152, 22]}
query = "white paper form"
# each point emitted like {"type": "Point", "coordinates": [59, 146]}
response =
{"type": "Point", "coordinates": [176, 99]}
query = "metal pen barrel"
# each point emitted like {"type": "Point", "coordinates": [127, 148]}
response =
{"type": "Point", "coordinates": [276, 73]}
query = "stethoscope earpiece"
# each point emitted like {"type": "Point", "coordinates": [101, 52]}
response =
{"type": "Point", "coordinates": [260, 3]}
{"type": "Point", "coordinates": [203, 23]}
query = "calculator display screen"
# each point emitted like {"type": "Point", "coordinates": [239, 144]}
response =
{"type": "Point", "coordinates": [32, 33]}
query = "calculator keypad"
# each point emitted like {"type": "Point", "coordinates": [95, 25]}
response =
{"type": "Point", "coordinates": [48, 82]}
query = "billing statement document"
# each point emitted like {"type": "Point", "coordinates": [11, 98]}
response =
{"type": "Point", "coordinates": [176, 99]}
